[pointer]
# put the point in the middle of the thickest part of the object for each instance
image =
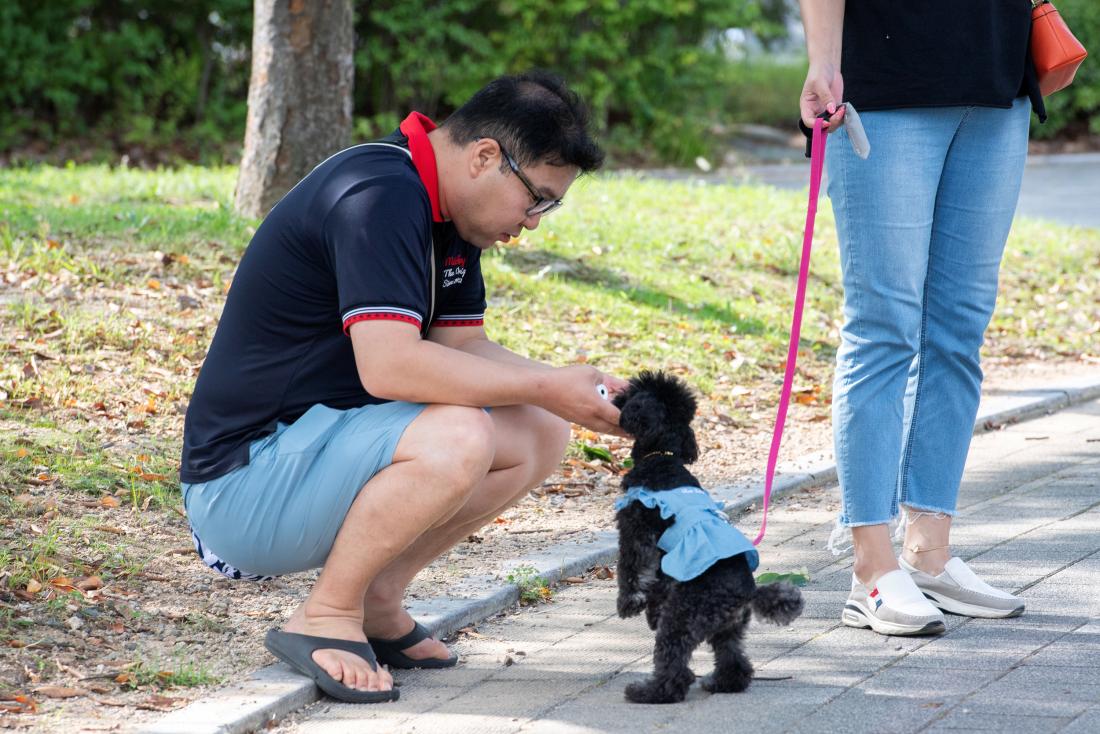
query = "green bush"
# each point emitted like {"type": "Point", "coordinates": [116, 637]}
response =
{"type": "Point", "coordinates": [651, 70]}
{"type": "Point", "coordinates": [131, 72]}
{"type": "Point", "coordinates": [171, 77]}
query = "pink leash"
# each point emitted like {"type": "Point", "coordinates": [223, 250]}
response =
{"type": "Point", "coordinates": [817, 163]}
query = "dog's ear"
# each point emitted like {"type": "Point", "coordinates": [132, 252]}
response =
{"type": "Point", "coordinates": [689, 450]}
{"type": "Point", "coordinates": [642, 416]}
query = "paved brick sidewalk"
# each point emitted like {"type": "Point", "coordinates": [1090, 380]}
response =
{"type": "Point", "coordinates": [1029, 521]}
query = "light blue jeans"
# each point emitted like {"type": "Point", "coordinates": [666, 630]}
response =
{"type": "Point", "coordinates": [922, 225]}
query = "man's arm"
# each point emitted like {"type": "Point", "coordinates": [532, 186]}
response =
{"type": "Point", "coordinates": [396, 364]}
{"type": "Point", "coordinates": [474, 340]}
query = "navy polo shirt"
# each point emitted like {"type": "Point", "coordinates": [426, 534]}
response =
{"type": "Point", "coordinates": [361, 237]}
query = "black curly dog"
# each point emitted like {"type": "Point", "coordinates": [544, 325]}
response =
{"type": "Point", "coordinates": [657, 410]}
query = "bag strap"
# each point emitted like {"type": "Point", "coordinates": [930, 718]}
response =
{"type": "Point", "coordinates": [817, 164]}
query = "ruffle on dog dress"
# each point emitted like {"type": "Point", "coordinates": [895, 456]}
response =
{"type": "Point", "coordinates": [700, 535]}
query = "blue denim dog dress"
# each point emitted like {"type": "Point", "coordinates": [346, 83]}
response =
{"type": "Point", "coordinates": [700, 535]}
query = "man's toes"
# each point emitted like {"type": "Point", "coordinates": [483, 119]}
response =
{"type": "Point", "coordinates": [330, 665]}
{"type": "Point", "coordinates": [381, 681]}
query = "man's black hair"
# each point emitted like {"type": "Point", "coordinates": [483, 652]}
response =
{"type": "Point", "coordinates": [534, 116]}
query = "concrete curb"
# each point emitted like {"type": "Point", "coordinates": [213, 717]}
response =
{"type": "Point", "coordinates": [275, 691]}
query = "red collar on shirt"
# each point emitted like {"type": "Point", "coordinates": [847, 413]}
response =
{"type": "Point", "coordinates": [416, 128]}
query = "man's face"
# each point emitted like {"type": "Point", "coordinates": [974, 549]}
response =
{"type": "Point", "coordinates": [493, 204]}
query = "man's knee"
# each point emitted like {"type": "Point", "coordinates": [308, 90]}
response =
{"type": "Point", "coordinates": [465, 448]}
{"type": "Point", "coordinates": [554, 433]}
{"type": "Point", "coordinates": [549, 437]}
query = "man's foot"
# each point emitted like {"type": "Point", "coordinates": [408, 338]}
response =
{"type": "Point", "coordinates": [395, 625]}
{"type": "Point", "coordinates": [345, 667]}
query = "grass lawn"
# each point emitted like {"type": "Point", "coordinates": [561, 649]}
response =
{"type": "Point", "coordinates": [111, 283]}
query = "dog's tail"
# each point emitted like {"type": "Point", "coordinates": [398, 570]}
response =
{"type": "Point", "coordinates": [780, 602]}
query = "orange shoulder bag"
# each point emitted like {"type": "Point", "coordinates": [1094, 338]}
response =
{"type": "Point", "coordinates": [1055, 51]}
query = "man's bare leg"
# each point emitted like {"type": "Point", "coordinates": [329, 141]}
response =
{"type": "Point", "coordinates": [443, 456]}
{"type": "Point", "coordinates": [529, 444]}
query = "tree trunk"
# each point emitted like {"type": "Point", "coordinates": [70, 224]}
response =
{"type": "Point", "coordinates": [299, 97]}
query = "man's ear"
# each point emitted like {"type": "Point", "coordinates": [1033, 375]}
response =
{"type": "Point", "coordinates": [484, 156]}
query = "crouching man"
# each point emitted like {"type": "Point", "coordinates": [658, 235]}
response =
{"type": "Point", "coordinates": [351, 413]}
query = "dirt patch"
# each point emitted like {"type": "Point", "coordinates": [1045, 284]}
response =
{"type": "Point", "coordinates": [80, 656]}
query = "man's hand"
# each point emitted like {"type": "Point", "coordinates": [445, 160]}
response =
{"type": "Point", "coordinates": [571, 393]}
{"type": "Point", "coordinates": [614, 385]}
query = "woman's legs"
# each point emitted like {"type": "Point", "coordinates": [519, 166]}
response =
{"type": "Point", "coordinates": [975, 205]}
{"type": "Point", "coordinates": [922, 225]}
{"type": "Point", "coordinates": [884, 209]}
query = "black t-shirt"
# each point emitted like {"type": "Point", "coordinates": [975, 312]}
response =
{"type": "Point", "coordinates": [352, 241]}
{"type": "Point", "coordinates": [921, 53]}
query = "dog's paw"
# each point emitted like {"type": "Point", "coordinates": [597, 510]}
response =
{"type": "Point", "coordinates": [660, 690]}
{"type": "Point", "coordinates": [631, 605]}
{"type": "Point", "coordinates": [730, 682]}
{"type": "Point", "coordinates": [653, 616]}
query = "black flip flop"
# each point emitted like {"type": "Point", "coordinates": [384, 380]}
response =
{"type": "Point", "coordinates": [297, 651]}
{"type": "Point", "coordinates": [390, 651]}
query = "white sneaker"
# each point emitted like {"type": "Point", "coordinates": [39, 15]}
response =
{"type": "Point", "coordinates": [959, 590]}
{"type": "Point", "coordinates": [894, 606]}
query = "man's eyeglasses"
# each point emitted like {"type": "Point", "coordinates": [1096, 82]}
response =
{"type": "Point", "coordinates": [542, 205]}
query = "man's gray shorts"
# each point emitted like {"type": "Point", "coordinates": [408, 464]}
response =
{"type": "Point", "coordinates": [280, 513]}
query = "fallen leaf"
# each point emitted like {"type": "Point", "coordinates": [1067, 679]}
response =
{"type": "Point", "coordinates": [62, 582]}
{"type": "Point", "coordinates": [597, 452]}
{"type": "Point", "coordinates": [159, 703]}
{"type": "Point", "coordinates": [110, 529]}
{"type": "Point", "coordinates": [573, 580]}
{"type": "Point", "coordinates": [25, 704]}
{"type": "Point", "coordinates": [109, 501]}
{"type": "Point", "coordinates": [34, 586]}
{"type": "Point", "coordinates": [472, 632]}
{"type": "Point", "coordinates": [89, 583]}
{"type": "Point", "coordinates": [59, 692]}
{"type": "Point", "coordinates": [20, 453]}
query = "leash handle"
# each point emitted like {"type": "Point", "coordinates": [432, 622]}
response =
{"type": "Point", "coordinates": [817, 164]}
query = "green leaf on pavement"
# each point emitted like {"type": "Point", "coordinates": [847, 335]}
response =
{"type": "Point", "coordinates": [801, 577]}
